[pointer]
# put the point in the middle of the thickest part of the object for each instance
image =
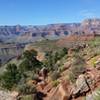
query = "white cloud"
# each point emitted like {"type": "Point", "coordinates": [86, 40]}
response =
{"type": "Point", "coordinates": [87, 13]}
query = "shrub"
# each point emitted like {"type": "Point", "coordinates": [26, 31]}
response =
{"type": "Point", "coordinates": [93, 62]}
{"type": "Point", "coordinates": [10, 77]}
{"type": "Point", "coordinates": [62, 53]}
{"type": "Point", "coordinates": [97, 96]}
{"type": "Point", "coordinates": [72, 77]}
{"type": "Point", "coordinates": [53, 56]}
{"type": "Point", "coordinates": [29, 62]}
{"type": "Point", "coordinates": [25, 66]}
{"type": "Point", "coordinates": [78, 60]}
{"type": "Point", "coordinates": [77, 68]}
{"type": "Point", "coordinates": [49, 62]}
{"type": "Point", "coordinates": [55, 75]}
{"type": "Point", "coordinates": [19, 57]}
{"type": "Point", "coordinates": [27, 97]}
{"type": "Point", "coordinates": [30, 54]}
{"type": "Point", "coordinates": [55, 83]}
{"type": "Point", "coordinates": [26, 89]}
{"type": "Point", "coordinates": [0, 62]}
{"type": "Point", "coordinates": [35, 77]}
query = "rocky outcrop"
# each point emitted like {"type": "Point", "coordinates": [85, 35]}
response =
{"type": "Point", "coordinates": [62, 92]}
{"type": "Point", "coordinates": [82, 86]}
{"type": "Point", "coordinates": [91, 26]}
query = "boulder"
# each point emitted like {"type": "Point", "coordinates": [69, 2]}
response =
{"type": "Point", "coordinates": [81, 86]}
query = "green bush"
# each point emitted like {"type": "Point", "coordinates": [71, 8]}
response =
{"type": "Point", "coordinates": [0, 63]}
{"type": "Point", "coordinates": [25, 66]}
{"type": "Point", "coordinates": [53, 56]}
{"type": "Point", "coordinates": [55, 83]}
{"type": "Point", "coordinates": [29, 61]}
{"type": "Point", "coordinates": [10, 77]}
{"type": "Point", "coordinates": [95, 95]}
{"type": "Point", "coordinates": [55, 75]}
{"type": "Point", "coordinates": [93, 62]}
{"type": "Point", "coordinates": [30, 54]}
{"type": "Point", "coordinates": [77, 68]}
{"type": "Point", "coordinates": [27, 97]}
{"type": "Point", "coordinates": [26, 89]}
{"type": "Point", "coordinates": [72, 77]}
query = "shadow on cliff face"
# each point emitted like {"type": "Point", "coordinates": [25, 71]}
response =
{"type": "Point", "coordinates": [38, 96]}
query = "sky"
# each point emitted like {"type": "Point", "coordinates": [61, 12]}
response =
{"type": "Point", "coordinates": [42, 12]}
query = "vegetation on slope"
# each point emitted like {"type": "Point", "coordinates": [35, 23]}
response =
{"type": "Point", "coordinates": [17, 76]}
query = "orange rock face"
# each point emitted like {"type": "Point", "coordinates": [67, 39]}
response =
{"type": "Point", "coordinates": [62, 92]}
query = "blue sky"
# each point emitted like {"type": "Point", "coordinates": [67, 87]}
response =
{"type": "Point", "coordinates": [40, 12]}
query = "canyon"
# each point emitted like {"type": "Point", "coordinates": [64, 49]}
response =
{"type": "Point", "coordinates": [30, 33]}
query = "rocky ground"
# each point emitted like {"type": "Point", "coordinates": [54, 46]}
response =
{"type": "Point", "coordinates": [85, 87]}
{"type": "Point", "coordinates": [7, 95]}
